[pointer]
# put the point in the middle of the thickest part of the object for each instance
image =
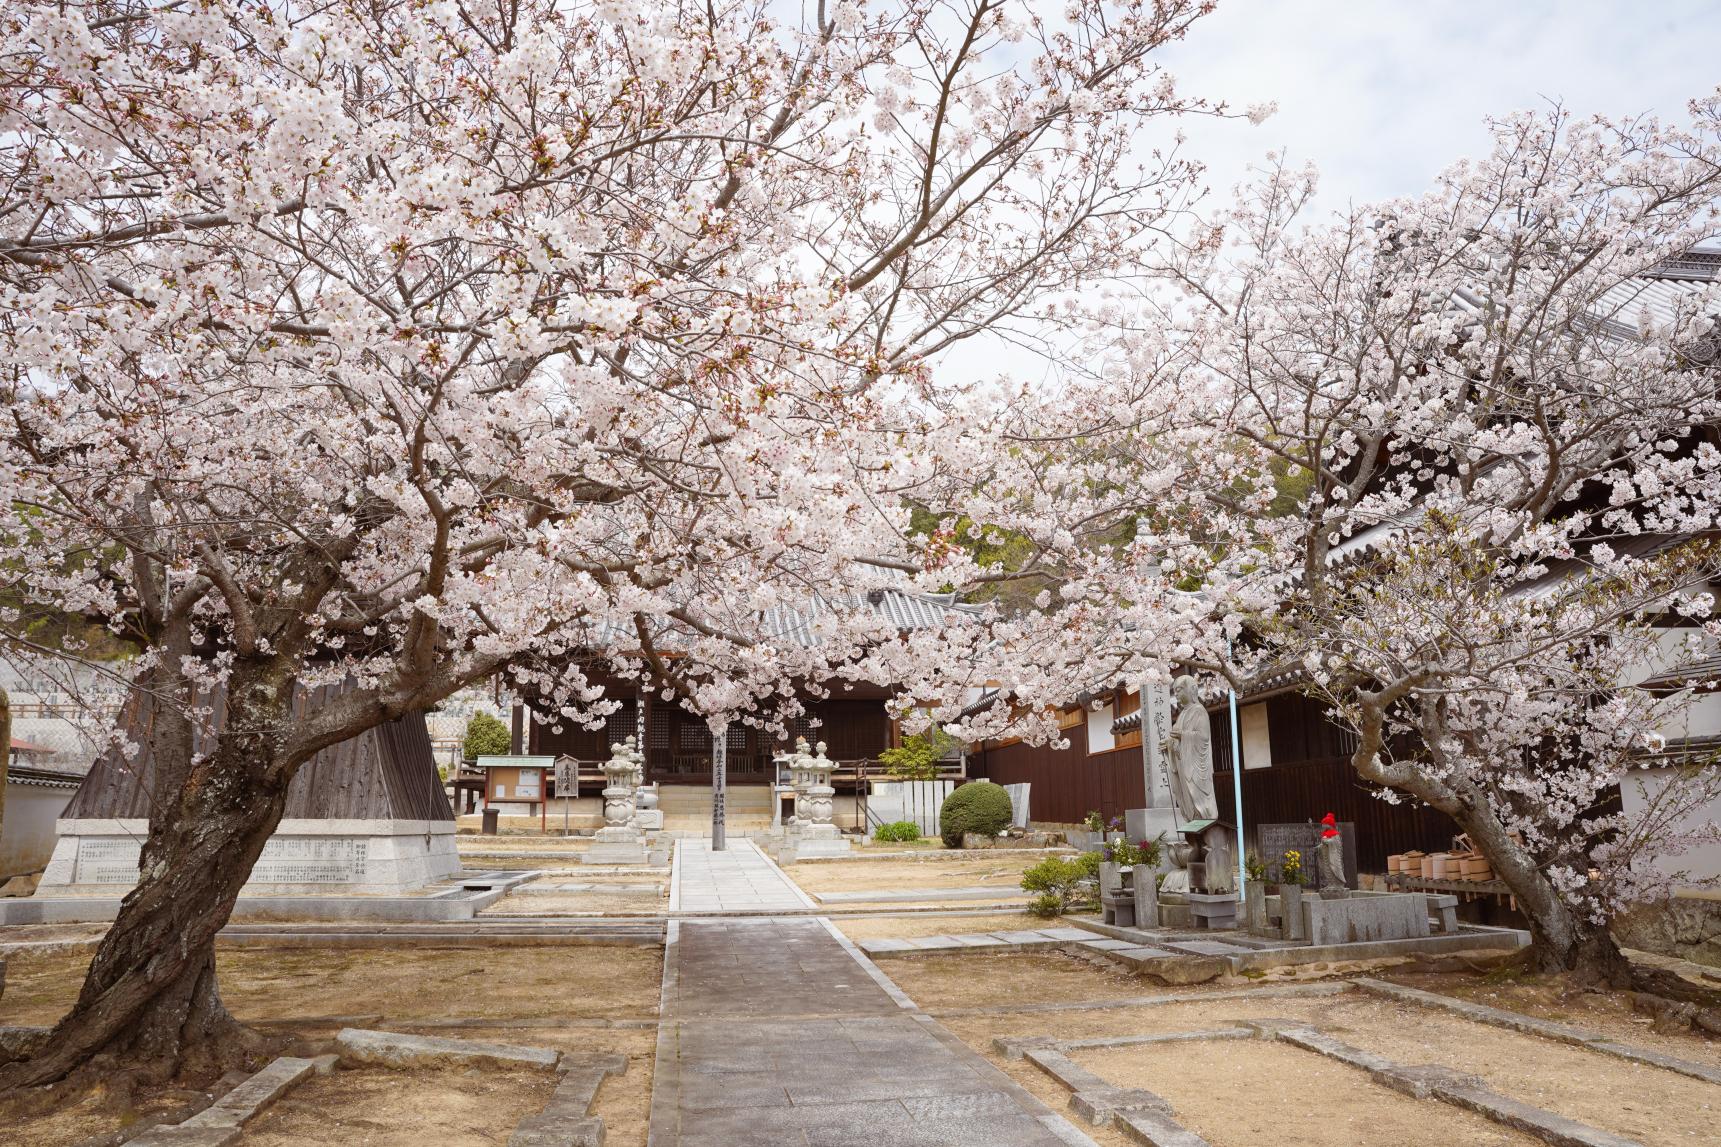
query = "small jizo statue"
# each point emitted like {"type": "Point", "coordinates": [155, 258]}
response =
{"type": "Point", "coordinates": [1330, 859]}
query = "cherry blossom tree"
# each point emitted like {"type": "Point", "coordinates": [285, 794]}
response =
{"type": "Point", "coordinates": [1460, 467]}
{"type": "Point", "coordinates": [401, 345]}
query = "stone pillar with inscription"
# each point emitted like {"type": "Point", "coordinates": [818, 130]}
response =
{"type": "Point", "coordinates": [1158, 821]}
{"type": "Point", "coordinates": [368, 815]}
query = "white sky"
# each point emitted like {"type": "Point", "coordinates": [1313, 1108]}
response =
{"type": "Point", "coordinates": [1382, 94]}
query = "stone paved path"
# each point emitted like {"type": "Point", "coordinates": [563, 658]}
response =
{"type": "Point", "coordinates": [776, 1031]}
{"type": "Point", "coordinates": [739, 879]}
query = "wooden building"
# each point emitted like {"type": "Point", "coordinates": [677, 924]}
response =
{"type": "Point", "coordinates": [1296, 768]}
{"type": "Point", "coordinates": [678, 744]}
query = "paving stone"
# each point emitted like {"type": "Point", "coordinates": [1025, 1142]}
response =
{"type": "Point", "coordinates": [396, 1049]}
{"type": "Point", "coordinates": [1068, 933]}
{"type": "Point", "coordinates": [250, 1098]}
{"type": "Point", "coordinates": [979, 940]}
{"type": "Point", "coordinates": [1206, 947]}
{"type": "Point", "coordinates": [934, 942]}
{"type": "Point", "coordinates": [874, 947]}
{"type": "Point", "coordinates": [733, 1071]}
{"type": "Point", "coordinates": [1140, 953]}
{"type": "Point", "coordinates": [1108, 944]}
{"type": "Point", "coordinates": [1035, 937]}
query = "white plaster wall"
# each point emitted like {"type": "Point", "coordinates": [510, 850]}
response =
{"type": "Point", "coordinates": [1257, 745]}
{"type": "Point", "coordinates": [1700, 863]}
{"type": "Point", "coordinates": [27, 836]}
{"type": "Point", "coordinates": [1100, 739]}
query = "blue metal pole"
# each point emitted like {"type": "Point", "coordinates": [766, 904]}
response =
{"type": "Point", "coordinates": [1237, 779]}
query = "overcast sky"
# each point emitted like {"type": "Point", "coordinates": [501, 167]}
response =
{"type": "Point", "coordinates": [1382, 94]}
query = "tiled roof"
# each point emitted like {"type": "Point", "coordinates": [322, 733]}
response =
{"type": "Point", "coordinates": [36, 776]}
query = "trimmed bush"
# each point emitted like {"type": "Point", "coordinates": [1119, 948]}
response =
{"type": "Point", "coordinates": [978, 807]}
{"type": "Point", "coordinates": [1059, 882]}
{"type": "Point", "coordinates": [896, 831]}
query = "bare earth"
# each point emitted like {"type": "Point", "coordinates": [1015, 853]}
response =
{"type": "Point", "coordinates": [937, 870]}
{"type": "Point", "coordinates": [1250, 1091]}
{"type": "Point", "coordinates": [1216, 1087]}
{"type": "Point", "coordinates": [937, 924]}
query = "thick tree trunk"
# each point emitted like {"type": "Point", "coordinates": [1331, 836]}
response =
{"type": "Point", "coordinates": [5, 754]}
{"type": "Point", "coordinates": [149, 1004]}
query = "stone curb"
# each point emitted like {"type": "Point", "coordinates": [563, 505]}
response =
{"type": "Point", "coordinates": [1276, 992]}
{"type": "Point", "coordinates": [565, 1120]}
{"type": "Point", "coordinates": [224, 1120]}
{"type": "Point", "coordinates": [1145, 1116]}
{"type": "Point", "coordinates": [1530, 1025]}
{"type": "Point", "coordinates": [397, 1049]}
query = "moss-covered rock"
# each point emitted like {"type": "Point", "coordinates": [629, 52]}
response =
{"type": "Point", "coordinates": [979, 807]}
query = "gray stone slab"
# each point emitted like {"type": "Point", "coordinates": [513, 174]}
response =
{"type": "Point", "coordinates": [980, 940]}
{"type": "Point", "coordinates": [1205, 947]}
{"type": "Point", "coordinates": [1068, 933]}
{"type": "Point", "coordinates": [881, 946]}
{"type": "Point", "coordinates": [396, 1049]}
{"type": "Point", "coordinates": [1140, 953]}
{"type": "Point", "coordinates": [1365, 918]}
{"type": "Point", "coordinates": [928, 943]}
{"type": "Point", "coordinates": [246, 1101]}
{"type": "Point", "coordinates": [1156, 1129]}
{"type": "Point", "coordinates": [1026, 937]}
{"type": "Point", "coordinates": [1107, 945]}
{"type": "Point", "coordinates": [183, 1136]}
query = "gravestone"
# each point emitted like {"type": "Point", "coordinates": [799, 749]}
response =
{"type": "Point", "coordinates": [1274, 839]}
{"type": "Point", "coordinates": [367, 815]}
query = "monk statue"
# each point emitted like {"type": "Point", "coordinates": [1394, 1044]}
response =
{"type": "Point", "coordinates": [1189, 748]}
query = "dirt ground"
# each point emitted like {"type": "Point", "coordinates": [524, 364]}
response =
{"type": "Point", "coordinates": [960, 981]}
{"type": "Point", "coordinates": [937, 870]}
{"type": "Point", "coordinates": [1554, 998]}
{"type": "Point", "coordinates": [327, 986]}
{"type": "Point", "coordinates": [509, 994]}
{"type": "Point", "coordinates": [937, 924]}
{"type": "Point", "coordinates": [1240, 1091]}
{"type": "Point", "coordinates": [460, 1107]}
{"type": "Point", "coordinates": [1650, 1105]}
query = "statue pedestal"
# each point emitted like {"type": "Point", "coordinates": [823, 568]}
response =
{"type": "Point", "coordinates": [1213, 910]}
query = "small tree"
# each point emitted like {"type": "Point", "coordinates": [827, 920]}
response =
{"type": "Point", "coordinates": [916, 759]}
{"type": "Point", "coordinates": [486, 736]}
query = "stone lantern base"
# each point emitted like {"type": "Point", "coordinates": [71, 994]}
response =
{"type": "Point", "coordinates": [616, 844]}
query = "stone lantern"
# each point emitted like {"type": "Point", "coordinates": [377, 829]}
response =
{"type": "Point", "coordinates": [619, 840]}
{"type": "Point", "coordinates": [818, 836]}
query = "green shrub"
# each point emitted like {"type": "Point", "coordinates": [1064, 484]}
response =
{"type": "Point", "coordinates": [1059, 882]}
{"type": "Point", "coordinates": [979, 807]}
{"type": "Point", "coordinates": [897, 830]}
{"type": "Point", "coordinates": [1046, 905]}
{"type": "Point", "coordinates": [486, 736]}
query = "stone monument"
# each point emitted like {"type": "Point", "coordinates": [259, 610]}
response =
{"type": "Point", "coordinates": [368, 815]}
{"type": "Point", "coordinates": [619, 841]}
{"type": "Point", "coordinates": [646, 813]}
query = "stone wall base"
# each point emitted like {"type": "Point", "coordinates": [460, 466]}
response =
{"type": "Point", "coordinates": [303, 856]}
{"type": "Point", "coordinates": [1688, 927]}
